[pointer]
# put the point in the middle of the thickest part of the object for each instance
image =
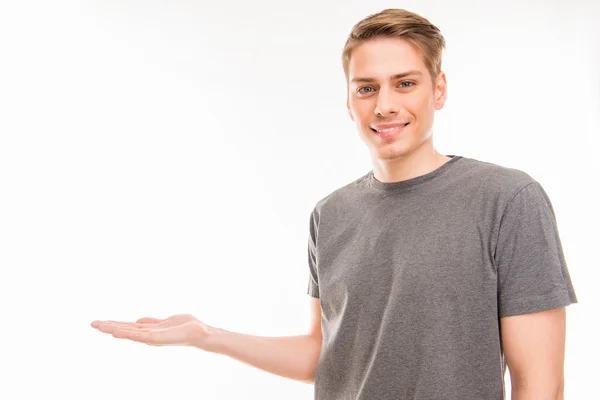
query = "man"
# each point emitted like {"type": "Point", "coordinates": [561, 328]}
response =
{"type": "Point", "coordinates": [430, 274]}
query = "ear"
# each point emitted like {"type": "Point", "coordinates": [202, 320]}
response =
{"type": "Point", "coordinates": [348, 108]}
{"type": "Point", "coordinates": [441, 89]}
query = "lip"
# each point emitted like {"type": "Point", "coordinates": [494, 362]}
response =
{"type": "Point", "coordinates": [386, 126]}
{"type": "Point", "coordinates": [392, 133]}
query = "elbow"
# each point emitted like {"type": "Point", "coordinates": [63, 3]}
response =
{"type": "Point", "coordinates": [312, 360]}
{"type": "Point", "coordinates": [309, 381]}
{"type": "Point", "coordinates": [309, 378]}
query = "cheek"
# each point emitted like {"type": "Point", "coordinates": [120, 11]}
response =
{"type": "Point", "coordinates": [420, 108]}
{"type": "Point", "coordinates": [362, 112]}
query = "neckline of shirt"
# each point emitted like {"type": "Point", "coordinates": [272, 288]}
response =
{"type": "Point", "coordinates": [412, 182]}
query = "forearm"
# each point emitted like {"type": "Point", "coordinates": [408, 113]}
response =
{"type": "Point", "coordinates": [293, 357]}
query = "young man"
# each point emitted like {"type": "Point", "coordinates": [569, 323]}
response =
{"type": "Point", "coordinates": [429, 274]}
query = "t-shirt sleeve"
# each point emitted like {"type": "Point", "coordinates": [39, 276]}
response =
{"type": "Point", "coordinates": [531, 269]}
{"type": "Point", "coordinates": [313, 280]}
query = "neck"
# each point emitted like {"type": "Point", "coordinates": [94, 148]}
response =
{"type": "Point", "coordinates": [419, 162]}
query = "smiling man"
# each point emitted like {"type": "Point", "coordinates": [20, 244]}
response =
{"type": "Point", "coordinates": [430, 274]}
{"type": "Point", "coordinates": [433, 272]}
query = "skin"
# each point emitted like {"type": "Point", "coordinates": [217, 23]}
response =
{"type": "Point", "coordinates": [534, 347]}
{"type": "Point", "coordinates": [384, 99]}
{"type": "Point", "coordinates": [176, 330]}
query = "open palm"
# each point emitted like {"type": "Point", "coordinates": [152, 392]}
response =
{"type": "Point", "coordinates": [177, 330]}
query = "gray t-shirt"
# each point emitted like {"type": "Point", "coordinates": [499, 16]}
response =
{"type": "Point", "coordinates": [413, 277]}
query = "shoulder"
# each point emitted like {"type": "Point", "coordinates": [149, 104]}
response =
{"type": "Point", "coordinates": [340, 198]}
{"type": "Point", "coordinates": [502, 182]}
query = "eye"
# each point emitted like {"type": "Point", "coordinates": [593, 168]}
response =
{"type": "Point", "coordinates": [403, 82]}
{"type": "Point", "coordinates": [361, 90]}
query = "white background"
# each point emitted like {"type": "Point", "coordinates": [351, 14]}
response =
{"type": "Point", "coordinates": [163, 157]}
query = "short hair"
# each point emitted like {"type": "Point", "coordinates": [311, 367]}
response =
{"type": "Point", "coordinates": [402, 24]}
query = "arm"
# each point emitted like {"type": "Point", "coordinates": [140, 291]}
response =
{"type": "Point", "coordinates": [293, 357]}
{"type": "Point", "coordinates": [534, 346]}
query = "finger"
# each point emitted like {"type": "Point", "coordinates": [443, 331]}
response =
{"type": "Point", "coordinates": [142, 336]}
{"type": "Point", "coordinates": [174, 320]}
{"type": "Point", "coordinates": [149, 320]}
{"type": "Point", "coordinates": [162, 323]}
{"type": "Point", "coordinates": [124, 323]}
{"type": "Point", "coordinates": [136, 336]}
{"type": "Point", "coordinates": [110, 327]}
{"type": "Point", "coordinates": [97, 324]}
{"type": "Point", "coordinates": [107, 328]}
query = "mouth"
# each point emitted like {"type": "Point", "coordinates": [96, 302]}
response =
{"type": "Point", "coordinates": [390, 130]}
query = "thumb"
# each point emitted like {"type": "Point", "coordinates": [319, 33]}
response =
{"type": "Point", "coordinates": [149, 320]}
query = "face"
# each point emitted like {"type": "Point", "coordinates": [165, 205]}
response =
{"type": "Point", "coordinates": [389, 86]}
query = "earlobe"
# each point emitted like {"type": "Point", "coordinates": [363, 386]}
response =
{"type": "Point", "coordinates": [440, 91]}
{"type": "Point", "coordinates": [440, 101]}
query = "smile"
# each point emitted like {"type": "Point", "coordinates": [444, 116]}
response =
{"type": "Point", "coordinates": [389, 131]}
{"type": "Point", "coordinates": [394, 128]}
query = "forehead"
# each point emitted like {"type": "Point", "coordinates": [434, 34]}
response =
{"type": "Point", "coordinates": [381, 58]}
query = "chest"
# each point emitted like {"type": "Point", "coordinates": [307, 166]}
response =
{"type": "Point", "coordinates": [424, 255]}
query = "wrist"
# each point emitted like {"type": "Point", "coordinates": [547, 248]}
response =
{"type": "Point", "coordinates": [209, 339]}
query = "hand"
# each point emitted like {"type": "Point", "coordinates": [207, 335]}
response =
{"type": "Point", "coordinates": [177, 330]}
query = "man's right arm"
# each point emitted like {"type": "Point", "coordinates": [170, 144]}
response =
{"type": "Point", "coordinates": [293, 357]}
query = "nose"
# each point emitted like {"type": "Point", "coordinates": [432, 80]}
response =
{"type": "Point", "coordinates": [386, 103]}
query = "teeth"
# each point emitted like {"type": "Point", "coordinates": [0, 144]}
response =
{"type": "Point", "coordinates": [390, 129]}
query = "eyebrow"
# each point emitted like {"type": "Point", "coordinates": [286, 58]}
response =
{"type": "Point", "coordinates": [397, 76]}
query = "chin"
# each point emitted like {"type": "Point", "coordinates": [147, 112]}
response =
{"type": "Point", "coordinates": [391, 152]}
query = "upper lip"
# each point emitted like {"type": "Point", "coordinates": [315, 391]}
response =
{"type": "Point", "coordinates": [386, 126]}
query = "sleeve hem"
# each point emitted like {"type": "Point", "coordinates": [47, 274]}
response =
{"type": "Point", "coordinates": [313, 291]}
{"type": "Point", "coordinates": [536, 304]}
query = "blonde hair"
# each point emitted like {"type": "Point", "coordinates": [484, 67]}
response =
{"type": "Point", "coordinates": [402, 24]}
